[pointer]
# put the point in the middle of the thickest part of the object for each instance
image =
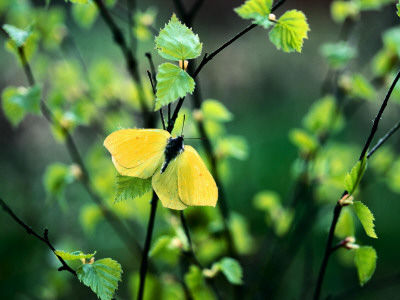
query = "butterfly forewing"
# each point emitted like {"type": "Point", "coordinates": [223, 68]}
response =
{"type": "Point", "coordinates": [137, 152]}
{"type": "Point", "coordinates": [196, 186]}
{"type": "Point", "coordinates": [166, 186]}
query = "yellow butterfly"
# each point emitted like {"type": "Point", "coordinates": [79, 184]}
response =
{"type": "Point", "coordinates": [179, 176]}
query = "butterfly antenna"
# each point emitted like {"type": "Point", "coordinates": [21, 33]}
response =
{"type": "Point", "coordinates": [183, 125]}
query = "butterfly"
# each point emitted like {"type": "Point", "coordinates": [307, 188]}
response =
{"type": "Point", "coordinates": [179, 176]}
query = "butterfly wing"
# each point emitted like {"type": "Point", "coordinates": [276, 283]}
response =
{"type": "Point", "coordinates": [166, 186]}
{"type": "Point", "coordinates": [137, 152]}
{"type": "Point", "coordinates": [195, 184]}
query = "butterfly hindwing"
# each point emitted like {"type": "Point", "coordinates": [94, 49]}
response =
{"type": "Point", "coordinates": [166, 186]}
{"type": "Point", "coordinates": [137, 152]}
{"type": "Point", "coordinates": [196, 186]}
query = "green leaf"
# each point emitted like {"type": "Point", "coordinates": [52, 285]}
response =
{"type": "Point", "coordinates": [341, 10]}
{"type": "Point", "coordinates": [214, 110]}
{"type": "Point", "coordinates": [102, 277]}
{"type": "Point", "coordinates": [231, 269]}
{"type": "Point", "coordinates": [73, 255]}
{"type": "Point", "coordinates": [85, 13]}
{"type": "Point", "coordinates": [365, 261]}
{"type": "Point", "coordinates": [361, 88]}
{"type": "Point", "coordinates": [258, 10]}
{"type": "Point", "coordinates": [242, 238]}
{"type": "Point", "coordinates": [324, 116]}
{"type": "Point", "coordinates": [366, 218]}
{"type": "Point", "coordinates": [177, 42]}
{"type": "Point", "coordinates": [290, 31]}
{"type": "Point", "coordinates": [143, 22]}
{"type": "Point", "coordinates": [233, 146]}
{"type": "Point", "coordinates": [56, 178]}
{"type": "Point", "coordinates": [172, 83]}
{"type": "Point", "coordinates": [253, 9]}
{"type": "Point", "coordinates": [373, 4]}
{"type": "Point", "coordinates": [398, 8]}
{"type": "Point", "coordinates": [19, 36]}
{"type": "Point", "coordinates": [167, 249]}
{"type": "Point", "coordinates": [338, 54]}
{"type": "Point", "coordinates": [353, 178]}
{"type": "Point", "coordinates": [194, 279]}
{"type": "Point", "coordinates": [345, 225]}
{"type": "Point", "coordinates": [303, 140]}
{"type": "Point", "coordinates": [130, 187]}
{"type": "Point", "coordinates": [17, 102]}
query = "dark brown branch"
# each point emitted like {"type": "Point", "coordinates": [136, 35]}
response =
{"type": "Point", "coordinates": [44, 238]}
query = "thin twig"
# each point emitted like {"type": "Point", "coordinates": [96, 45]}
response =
{"type": "Point", "coordinates": [44, 238]}
{"type": "Point", "coordinates": [146, 249]}
{"type": "Point", "coordinates": [384, 139]}
{"type": "Point", "coordinates": [338, 207]}
{"type": "Point", "coordinates": [378, 117]}
{"type": "Point", "coordinates": [131, 62]}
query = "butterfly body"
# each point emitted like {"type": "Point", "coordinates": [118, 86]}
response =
{"type": "Point", "coordinates": [179, 176]}
{"type": "Point", "coordinates": [172, 150]}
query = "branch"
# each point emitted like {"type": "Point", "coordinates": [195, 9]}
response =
{"type": "Point", "coordinates": [384, 139]}
{"type": "Point", "coordinates": [131, 62]}
{"type": "Point", "coordinates": [44, 238]}
{"type": "Point", "coordinates": [146, 249]}
{"type": "Point", "coordinates": [338, 207]}
{"type": "Point", "coordinates": [378, 116]}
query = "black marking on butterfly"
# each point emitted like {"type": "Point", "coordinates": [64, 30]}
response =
{"type": "Point", "coordinates": [172, 150]}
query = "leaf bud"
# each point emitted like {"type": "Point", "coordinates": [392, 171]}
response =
{"type": "Point", "coordinates": [272, 17]}
{"type": "Point", "coordinates": [183, 64]}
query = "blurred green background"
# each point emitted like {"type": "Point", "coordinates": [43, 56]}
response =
{"type": "Point", "coordinates": [268, 93]}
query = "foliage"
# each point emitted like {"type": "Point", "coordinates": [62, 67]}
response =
{"type": "Point", "coordinates": [252, 108]}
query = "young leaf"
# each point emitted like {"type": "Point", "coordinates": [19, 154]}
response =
{"type": "Point", "coordinates": [353, 178]}
{"type": "Point", "coordinates": [73, 255]}
{"type": "Point", "coordinates": [361, 88]}
{"type": "Point", "coordinates": [231, 269]}
{"type": "Point", "coordinates": [290, 31]}
{"type": "Point", "coordinates": [56, 178]}
{"type": "Point", "coordinates": [258, 10]}
{"type": "Point", "coordinates": [303, 140]}
{"type": "Point", "coordinates": [84, 13]}
{"type": "Point", "coordinates": [102, 277]}
{"type": "Point", "coordinates": [19, 36]}
{"type": "Point", "coordinates": [365, 261]}
{"type": "Point", "coordinates": [398, 8]}
{"type": "Point", "coordinates": [341, 10]}
{"type": "Point", "coordinates": [17, 102]}
{"type": "Point", "coordinates": [345, 225]}
{"type": "Point", "coordinates": [366, 218]}
{"type": "Point", "coordinates": [323, 116]}
{"type": "Point", "coordinates": [194, 279]}
{"type": "Point", "coordinates": [215, 111]}
{"type": "Point", "coordinates": [233, 146]}
{"type": "Point", "coordinates": [172, 83]}
{"type": "Point", "coordinates": [177, 42]}
{"type": "Point", "coordinates": [130, 187]}
{"type": "Point", "coordinates": [338, 54]}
